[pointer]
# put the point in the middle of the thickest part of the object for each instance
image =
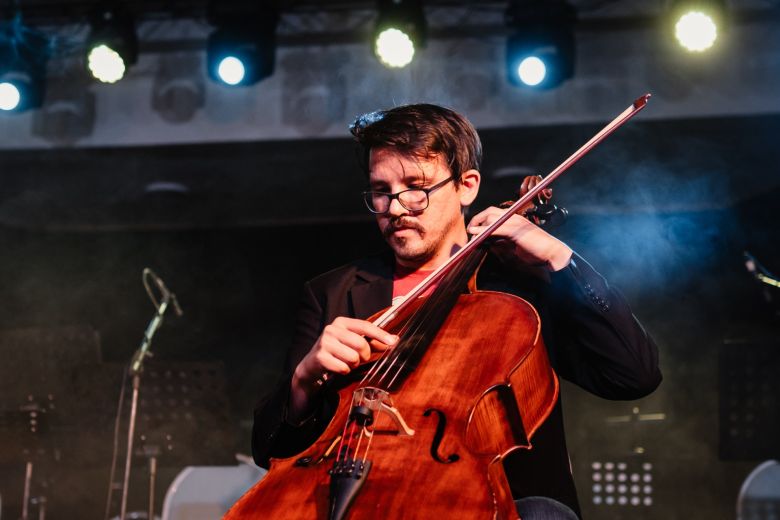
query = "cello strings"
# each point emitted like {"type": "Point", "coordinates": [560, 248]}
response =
{"type": "Point", "coordinates": [383, 358]}
{"type": "Point", "coordinates": [420, 338]}
{"type": "Point", "coordinates": [393, 358]}
{"type": "Point", "coordinates": [344, 437]}
{"type": "Point", "coordinates": [448, 286]}
{"type": "Point", "coordinates": [416, 322]}
{"type": "Point", "coordinates": [388, 354]}
{"type": "Point", "coordinates": [360, 440]}
{"type": "Point", "coordinates": [421, 317]}
{"type": "Point", "coordinates": [370, 436]}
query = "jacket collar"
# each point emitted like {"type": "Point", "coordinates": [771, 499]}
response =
{"type": "Point", "coordinates": [373, 288]}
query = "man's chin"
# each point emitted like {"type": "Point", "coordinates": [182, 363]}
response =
{"type": "Point", "coordinates": [409, 253]}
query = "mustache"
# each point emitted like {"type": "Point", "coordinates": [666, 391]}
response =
{"type": "Point", "coordinates": [401, 223]}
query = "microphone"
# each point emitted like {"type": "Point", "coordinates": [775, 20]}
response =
{"type": "Point", "coordinates": [750, 263]}
{"type": "Point", "coordinates": [167, 295]}
{"type": "Point", "coordinates": [758, 271]}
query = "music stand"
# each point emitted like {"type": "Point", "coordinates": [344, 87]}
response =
{"type": "Point", "coordinates": [178, 402]}
{"type": "Point", "coordinates": [36, 367]}
{"type": "Point", "coordinates": [748, 400]}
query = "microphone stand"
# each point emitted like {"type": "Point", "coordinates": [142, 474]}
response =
{"type": "Point", "coordinates": [26, 498]}
{"type": "Point", "coordinates": [136, 367]}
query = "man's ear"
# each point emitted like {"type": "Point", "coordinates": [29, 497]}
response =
{"type": "Point", "coordinates": [468, 187]}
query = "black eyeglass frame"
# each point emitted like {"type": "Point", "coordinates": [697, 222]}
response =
{"type": "Point", "coordinates": [391, 196]}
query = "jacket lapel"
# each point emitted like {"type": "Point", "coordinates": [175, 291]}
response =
{"type": "Point", "coordinates": [373, 289]}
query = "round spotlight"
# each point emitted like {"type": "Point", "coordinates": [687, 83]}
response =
{"type": "Point", "coordinates": [241, 50]}
{"type": "Point", "coordinates": [24, 54]}
{"type": "Point", "coordinates": [696, 31]}
{"type": "Point", "coordinates": [401, 30]}
{"type": "Point", "coordinates": [112, 43]}
{"type": "Point", "coordinates": [394, 48]}
{"type": "Point", "coordinates": [9, 96]}
{"type": "Point", "coordinates": [231, 70]}
{"type": "Point", "coordinates": [541, 46]}
{"type": "Point", "coordinates": [531, 71]}
{"type": "Point", "coordinates": [105, 64]}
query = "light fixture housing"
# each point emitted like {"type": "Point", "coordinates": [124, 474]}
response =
{"type": "Point", "coordinates": [242, 48]}
{"type": "Point", "coordinates": [543, 30]}
{"type": "Point", "coordinates": [112, 44]}
{"type": "Point", "coordinates": [401, 29]}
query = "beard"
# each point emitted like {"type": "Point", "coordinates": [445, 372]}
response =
{"type": "Point", "coordinates": [417, 247]}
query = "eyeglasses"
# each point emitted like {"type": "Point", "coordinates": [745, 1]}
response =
{"type": "Point", "coordinates": [413, 199]}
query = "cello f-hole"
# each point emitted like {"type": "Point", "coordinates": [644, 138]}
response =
{"type": "Point", "coordinates": [437, 437]}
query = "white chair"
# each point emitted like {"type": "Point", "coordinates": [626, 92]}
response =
{"type": "Point", "coordinates": [207, 492]}
{"type": "Point", "coordinates": [759, 497]}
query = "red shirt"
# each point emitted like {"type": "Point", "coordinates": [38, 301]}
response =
{"type": "Point", "coordinates": [404, 281]}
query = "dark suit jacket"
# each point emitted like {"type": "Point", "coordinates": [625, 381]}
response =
{"type": "Point", "coordinates": [591, 336]}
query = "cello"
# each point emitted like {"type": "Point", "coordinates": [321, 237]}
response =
{"type": "Point", "coordinates": [436, 413]}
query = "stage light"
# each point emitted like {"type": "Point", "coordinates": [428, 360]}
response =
{"type": "Point", "coordinates": [696, 31]}
{"type": "Point", "coordinates": [696, 23]}
{"type": "Point", "coordinates": [394, 48]}
{"type": "Point", "coordinates": [112, 45]}
{"type": "Point", "coordinates": [400, 30]}
{"type": "Point", "coordinates": [24, 54]}
{"type": "Point", "coordinates": [540, 50]}
{"type": "Point", "coordinates": [21, 89]}
{"type": "Point", "coordinates": [9, 96]}
{"type": "Point", "coordinates": [242, 48]}
{"type": "Point", "coordinates": [532, 71]}
{"type": "Point", "coordinates": [106, 64]}
{"type": "Point", "coordinates": [231, 70]}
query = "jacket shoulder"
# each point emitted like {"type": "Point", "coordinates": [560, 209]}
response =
{"type": "Point", "coordinates": [369, 268]}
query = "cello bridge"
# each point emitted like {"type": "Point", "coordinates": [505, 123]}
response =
{"type": "Point", "coordinates": [368, 400]}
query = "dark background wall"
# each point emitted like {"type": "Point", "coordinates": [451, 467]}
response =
{"type": "Point", "coordinates": [664, 210]}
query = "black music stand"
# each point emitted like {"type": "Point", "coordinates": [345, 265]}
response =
{"type": "Point", "coordinates": [35, 373]}
{"type": "Point", "coordinates": [178, 403]}
{"type": "Point", "coordinates": [183, 417]}
{"type": "Point", "coordinates": [748, 390]}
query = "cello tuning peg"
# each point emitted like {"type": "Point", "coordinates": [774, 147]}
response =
{"type": "Point", "coordinates": [549, 215]}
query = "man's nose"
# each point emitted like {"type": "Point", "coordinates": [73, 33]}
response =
{"type": "Point", "coordinates": [396, 209]}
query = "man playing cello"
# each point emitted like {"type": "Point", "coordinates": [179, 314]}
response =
{"type": "Point", "coordinates": [423, 169]}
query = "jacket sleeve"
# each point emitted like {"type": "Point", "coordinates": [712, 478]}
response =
{"type": "Point", "coordinates": [598, 343]}
{"type": "Point", "coordinates": [272, 434]}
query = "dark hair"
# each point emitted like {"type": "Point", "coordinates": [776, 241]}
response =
{"type": "Point", "coordinates": [421, 131]}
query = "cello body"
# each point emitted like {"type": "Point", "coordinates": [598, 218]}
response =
{"type": "Point", "coordinates": [480, 391]}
